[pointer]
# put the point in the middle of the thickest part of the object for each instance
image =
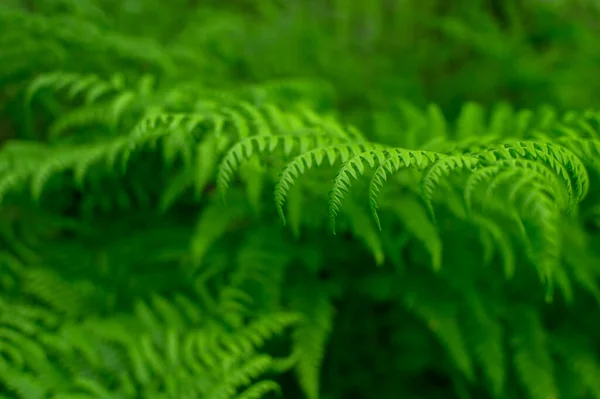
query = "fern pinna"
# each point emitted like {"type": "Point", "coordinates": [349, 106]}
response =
{"type": "Point", "coordinates": [166, 237]}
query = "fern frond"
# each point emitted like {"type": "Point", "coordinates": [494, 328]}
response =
{"type": "Point", "coordinates": [259, 331]}
{"type": "Point", "coordinates": [250, 370]}
{"type": "Point", "coordinates": [207, 153]}
{"type": "Point", "coordinates": [245, 149]}
{"type": "Point", "coordinates": [212, 224]}
{"type": "Point", "coordinates": [387, 160]}
{"type": "Point", "coordinates": [586, 149]}
{"type": "Point", "coordinates": [414, 218]}
{"type": "Point", "coordinates": [74, 84]}
{"type": "Point", "coordinates": [259, 390]}
{"type": "Point", "coordinates": [502, 239]}
{"type": "Point", "coordinates": [97, 114]}
{"type": "Point", "coordinates": [514, 167]}
{"type": "Point", "coordinates": [362, 226]}
{"type": "Point", "coordinates": [440, 169]}
{"type": "Point", "coordinates": [176, 187]}
{"type": "Point", "coordinates": [530, 197]}
{"type": "Point", "coordinates": [396, 160]}
{"type": "Point", "coordinates": [60, 162]}
{"type": "Point", "coordinates": [471, 121]}
{"type": "Point", "coordinates": [487, 337]}
{"type": "Point", "coordinates": [170, 122]}
{"type": "Point", "coordinates": [310, 339]}
{"type": "Point", "coordinates": [556, 157]}
{"type": "Point", "coordinates": [304, 162]}
{"type": "Point", "coordinates": [540, 206]}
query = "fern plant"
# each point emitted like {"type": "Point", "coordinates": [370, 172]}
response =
{"type": "Point", "coordinates": [184, 216]}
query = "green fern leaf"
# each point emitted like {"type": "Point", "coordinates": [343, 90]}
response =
{"type": "Point", "coordinates": [245, 149]}
{"type": "Point", "coordinates": [310, 338]}
{"type": "Point", "coordinates": [501, 239]}
{"type": "Point", "coordinates": [414, 218]}
{"type": "Point", "coordinates": [440, 169]}
{"type": "Point", "coordinates": [471, 121]}
{"type": "Point", "coordinates": [397, 159]}
{"type": "Point", "coordinates": [259, 390]}
{"type": "Point", "coordinates": [304, 162]}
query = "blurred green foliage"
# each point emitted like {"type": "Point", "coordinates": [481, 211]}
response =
{"type": "Point", "coordinates": [150, 151]}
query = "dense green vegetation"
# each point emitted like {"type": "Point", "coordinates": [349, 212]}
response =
{"type": "Point", "coordinates": [319, 199]}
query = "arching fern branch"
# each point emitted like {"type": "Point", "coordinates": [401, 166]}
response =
{"type": "Point", "coordinates": [558, 158]}
{"type": "Point", "coordinates": [393, 159]}
{"type": "Point", "coordinates": [91, 87]}
{"type": "Point", "coordinates": [313, 158]}
{"type": "Point", "coordinates": [396, 160]}
{"type": "Point", "coordinates": [441, 169]}
{"type": "Point", "coordinates": [484, 175]}
{"type": "Point", "coordinates": [245, 149]}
